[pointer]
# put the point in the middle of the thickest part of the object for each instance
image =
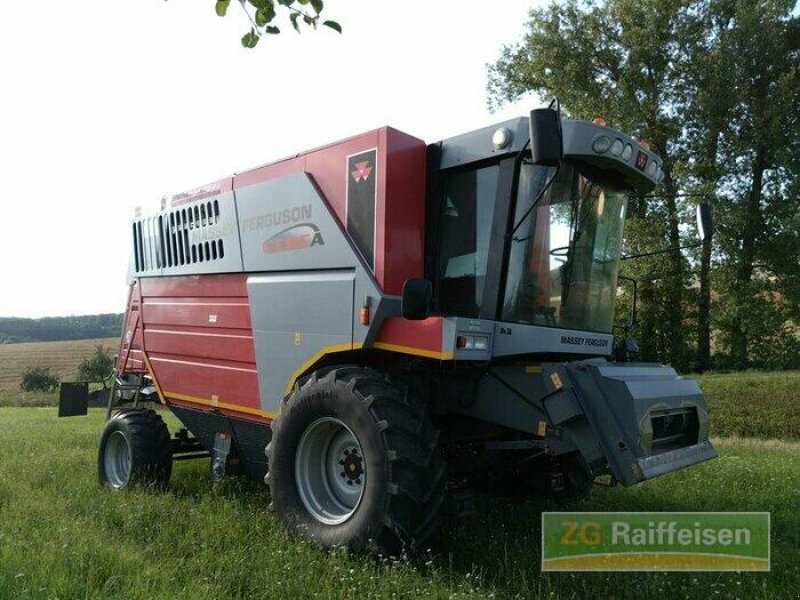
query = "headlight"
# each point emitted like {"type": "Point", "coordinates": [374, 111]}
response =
{"type": "Point", "coordinates": [501, 138]}
{"type": "Point", "coordinates": [616, 147]}
{"type": "Point", "coordinates": [473, 342]}
{"type": "Point", "coordinates": [465, 342]}
{"type": "Point", "coordinates": [602, 144]}
{"type": "Point", "coordinates": [628, 152]}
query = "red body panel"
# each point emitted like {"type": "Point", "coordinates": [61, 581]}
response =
{"type": "Point", "coordinates": [400, 203]}
{"type": "Point", "coordinates": [130, 349]}
{"type": "Point", "coordinates": [194, 332]}
{"type": "Point", "coordinates": [400, 220]}
{"type": "Point", "coordinates": [199, 342]}
{"type": "Point", "coordinates": [423, 335]}
{"type": "Point", "coordinates": [205, 191]}
{"type": "Point", "coordinates": [224, 344]}
{"type": "Point", "coordinates": [198, 312]}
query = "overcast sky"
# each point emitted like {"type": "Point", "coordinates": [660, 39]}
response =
{"type": "Point", "coordinates": [106, 106]}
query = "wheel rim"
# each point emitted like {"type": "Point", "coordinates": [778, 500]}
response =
{"type": "Point", "coordinates": [330, 471]}
{"type": "Point", "coordinates": [117, 460]}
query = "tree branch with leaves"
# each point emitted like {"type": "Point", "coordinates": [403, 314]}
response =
{"type": "Point", "coordinates": [263, 15]}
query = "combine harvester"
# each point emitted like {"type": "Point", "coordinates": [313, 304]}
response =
{"type": "Point", "coordinates": [346, 322]}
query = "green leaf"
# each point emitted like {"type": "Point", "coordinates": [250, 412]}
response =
{"type": "Point", "coordinates": [265, 14]}
{"type": "Point", "coordinates": [222, 7]}
{"type": "Point", "coordinates": [293, 18]}
{"type": "Point", "coordinates": [317, 4]}
{"type": "Point", "coordinates": [250, 39]}
{"type": "Point", "coordinates": [304, 2]}
{"type": "Point", "coordinates": [333, 25]}
{"type": "Point", "coordinates": [272, 30]}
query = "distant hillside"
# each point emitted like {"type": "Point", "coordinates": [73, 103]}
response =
{"type": "Point", "coordinates": [50, 329]}
{"type": "Point", "coordinates": [63, 359]}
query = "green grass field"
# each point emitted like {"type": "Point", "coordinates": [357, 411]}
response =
{"type": "Point", "coordinates": [62, 536]}
{"type": "Point", "coordinates": [752, 404]}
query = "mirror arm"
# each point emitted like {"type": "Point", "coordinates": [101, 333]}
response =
{"type": "Point", "coordinates": [663, 251]}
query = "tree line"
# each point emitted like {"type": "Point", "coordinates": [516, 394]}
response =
{"type": "Point", "coordinates": [49, 329]}
{"type": "Point", "coordinates": [714, 86]}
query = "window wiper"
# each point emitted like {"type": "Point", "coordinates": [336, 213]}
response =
{"type": "Point", "coordinates": [534, 204]}
{"type": "Point", "coordinates": [587, 198]}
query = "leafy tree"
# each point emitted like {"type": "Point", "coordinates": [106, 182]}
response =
{"type": "Point", "coordinates": [38, 379]}
{"type": "Point", "coordinates": [759, 146]}
{"type": "Point", "coordinates": [715, 85]}
{"type": "Point", "coordinates": [263, 15]}
{"type": "Point", "coordinates": [96, 367]}
{"type": "Point", "coordinates": [625, 60]}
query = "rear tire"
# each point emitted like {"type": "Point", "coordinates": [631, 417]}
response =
{"type": "Point", "coordinates": [387, 495]}
{"type": "Point", "coordinates": [134, 450]}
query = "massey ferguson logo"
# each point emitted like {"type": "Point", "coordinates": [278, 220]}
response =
{"type": "Point", "coordinates": [361, 171]}
{"type": "Point", "coordinates": [297, 237]}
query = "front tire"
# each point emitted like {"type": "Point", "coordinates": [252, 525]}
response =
{"type": "Point", "coordinates": [134, 450]}
{"type": "Point", "coordinates": [354, 461]}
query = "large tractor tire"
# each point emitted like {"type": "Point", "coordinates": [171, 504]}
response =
{"type": "Point", "coordinates": [354, 461]}
{"type": "Point", "coordinates": [134, 450]}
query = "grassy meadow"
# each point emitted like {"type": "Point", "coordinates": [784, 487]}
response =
{"type": "Point", "coordinates": [62, 536]}
{"type": "Point", "coordinates": [754, 404]}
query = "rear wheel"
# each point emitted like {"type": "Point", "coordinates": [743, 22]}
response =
{"type": "Point", "coordinates": [134, 449]}
{"type": "Point", "coordinates": [354, 461]}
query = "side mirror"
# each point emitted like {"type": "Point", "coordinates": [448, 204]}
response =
{"type": "Point", "coordinates": [417, 295]}
{"type": "Point", "coordinates": [705, 225]}
{"type": "Point", "coordinates": [547, 143]}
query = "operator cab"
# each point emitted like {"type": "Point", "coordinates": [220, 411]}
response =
{"type": "Point", "coordinates": [526, 245]}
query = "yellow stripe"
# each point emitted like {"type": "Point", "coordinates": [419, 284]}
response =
{"type": "Point", "coordinates": [217, 404]}
{"type": "Point", "coordinates": [533, 369]}
{"type": "Point", "coordinates": [149, 368]}
{"type": "Point", "coordinates": [415, 351]}
{"type": "Point", "coordinates": [635, 561]}
{"type": "Point", "coordinates": [315, 357]}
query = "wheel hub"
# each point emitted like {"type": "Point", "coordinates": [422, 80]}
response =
{"type": "Point", "coordinates": [330, 471]}
{"type": "Point", "coordinates": [117, 460]}
{"type": "Point", "coordinates": [351, 466]}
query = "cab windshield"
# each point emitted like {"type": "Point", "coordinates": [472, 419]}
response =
{"type": "Point", "coordinates": [564, 257]}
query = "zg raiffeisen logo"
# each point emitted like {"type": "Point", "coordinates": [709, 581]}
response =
{"type": "Point", "coordinates": [655, 541]}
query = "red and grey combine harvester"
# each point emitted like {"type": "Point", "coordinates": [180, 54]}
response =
{"type": "Point", "coordinates": [346, 322]}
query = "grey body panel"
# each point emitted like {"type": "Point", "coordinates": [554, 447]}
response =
{"type": "Point", "coordinates": [290, 207]}
{"type": "Point", "coordinates": [608, 410]}
{"type": "Point", "coordinates": [579, 137]}
{"type": "Point", "coordinates": [200, 237]}
{"type": "Point", "coordinates": [305, 292]}
{"type": "Point", "coordinates": [477, 145]}
{"type": "Point", "coordinates": [604, 411]}
{"type": "Point", "coordinates": [517, 339]}
{"type": "Point", "coordinates": [293, 316]}
{"type": "Point", "coordinates": [497, 397]}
